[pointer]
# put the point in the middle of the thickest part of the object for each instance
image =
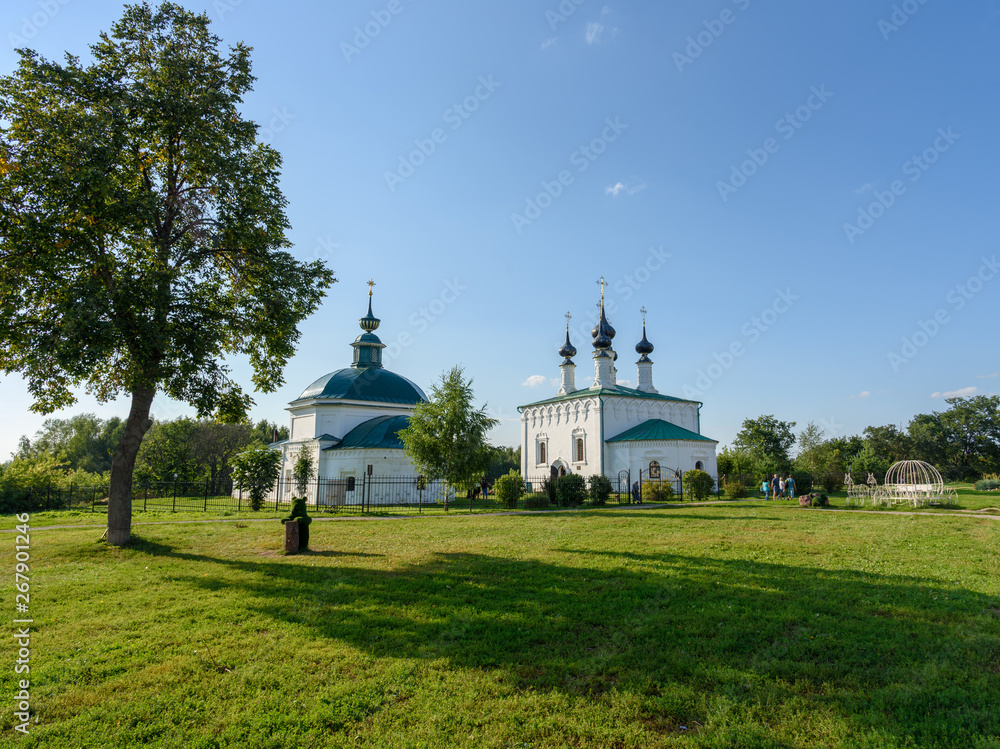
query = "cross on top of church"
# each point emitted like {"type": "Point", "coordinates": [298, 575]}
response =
{"type": "Point", "coordinates": [371, 285]}
{"type": "Point", "coordinates": [568, 318]}
{"type": "Point", "coordinates": [643, 311]}
{"type": "Point", "coordinates": [602, 283]}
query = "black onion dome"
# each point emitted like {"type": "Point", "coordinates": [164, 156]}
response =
{"type": "Point", "coordinates": [369, 322]}
{"type": "Point", "coordinates": [567, 350]}
{"type": "Point", "coordinates": [644, 347]}
{"type": "Point", "coordinates": [603, 332]}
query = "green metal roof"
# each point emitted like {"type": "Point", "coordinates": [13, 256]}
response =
{"type": "Point", "coordinates": [619, 390]}
{"type": "Point", "coordinates": [657, 429]}
{"type": "Point", "coordinates": [380, 432]}
{"type": "Point", "coordinates": [364, 384]}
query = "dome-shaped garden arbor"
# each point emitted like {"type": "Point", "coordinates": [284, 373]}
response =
{"type": "Point", "coordinates": [908, 481]}
{"type": "Point", "coordinates": [914, 482]}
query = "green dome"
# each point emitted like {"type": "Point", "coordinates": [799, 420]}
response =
{"type": "Point", "coordinates": [364, 384]}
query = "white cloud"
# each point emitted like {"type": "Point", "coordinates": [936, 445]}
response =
{"type": "Point", "coordinates": [866, 187]}
{"type": "Point", "coordinates": [620, 187]}
{"type": "Point", "coordinates": [986, 377]}
{"type": "Point", "coordinates": [550, 41]}
{"type": "Point", "coordinates": [593, 32]}
{"type": "Point", "coordinates": [535, 380]}
{"type": "Point", "coordinates": [960, 393]}
{"type": "Point", "coordinates": [625, 383]}
{"type": "Point", "coordinates": [863, 394]}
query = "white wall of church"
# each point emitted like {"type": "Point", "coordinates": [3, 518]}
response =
{"type": "Point", "coordinates": [558, 426]}
{"type": "Point", "coordinates": [621, 414]}
{"type": "Point", "coordinates": [549, 434]}
{"type": "Point", "coordinates": [672, 456]}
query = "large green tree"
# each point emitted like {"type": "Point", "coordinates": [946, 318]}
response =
{"type": "Point", "coordinates": [142, 230]}
{"type": "Point", "coordinates": [446, 436]}
{"type": "Point", "coordinates": [767, 441]}
{"type": "Point", "coordinates": [962, 442]}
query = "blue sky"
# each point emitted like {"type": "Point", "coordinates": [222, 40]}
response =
{"type": "Point", "coordinates": [802, 196]}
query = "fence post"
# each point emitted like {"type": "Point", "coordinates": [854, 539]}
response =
{"type": "Point", "coordinates": [93, 500]}
{"type": "Point", "coordinates": [206, 495]}
{"type": "Point", "coordinates": [277, 493]}
{"type": "Point", "coordinates": [145, 495]}
{"type": "Point", "coordinates": [175, 494]}
{"type": "Point", "coordinates": [239, 499]}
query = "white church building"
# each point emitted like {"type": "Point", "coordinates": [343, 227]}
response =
{"type": "Point", "coordinates": [350, 420]}
{"type": "Point", "coordinates": [607, 428]}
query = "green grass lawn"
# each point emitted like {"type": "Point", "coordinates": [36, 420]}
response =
{"type": "Point", "coordinates": [732, 625]}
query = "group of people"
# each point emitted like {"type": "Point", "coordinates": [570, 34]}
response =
{"type": "Point", "coordinates": [778, 487]}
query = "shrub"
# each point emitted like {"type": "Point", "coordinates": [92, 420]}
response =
{"type": "Point", "coordinates": [803, 482]}
{"type": "Point", "coordinates": [819, 500]}
{"type": "Point", "coordinates": [987, 485]}
{"type": "Point", "coordinates": [600, 488]}
{"type": "Point", "coordinates": [698, 484]}
{"type": "Point", "coordinates": [549, 489]}
{"type": "Point", "coordinates": [734, 490]}
{"type": "Point", "coordinates": [832, 482]}
{"type": "Point", "coordinates": [571, 490]}
{"type": "Point", "coordinates": [508, 488]}
{"type": "Point", "coordinates": [536, 501]}
{"type": "Point", "coordinates": [657, 491]}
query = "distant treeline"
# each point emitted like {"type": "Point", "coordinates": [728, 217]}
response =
{"type": "Point", "coordinates": [963, 443]}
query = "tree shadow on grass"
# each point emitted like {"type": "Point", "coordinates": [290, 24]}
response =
{"type": "Point", "coordinates": [900, 660]}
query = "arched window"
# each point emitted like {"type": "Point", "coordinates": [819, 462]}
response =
{"type": "Point", "coordinates": [579, 449]}
{"type": "Point", "coordinates": [541, 453]}
{"type": "Point", "coordinates": [699, 466]}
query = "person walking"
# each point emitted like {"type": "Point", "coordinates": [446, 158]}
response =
{"type": "Point", "coordinates": [766, 488]}
{"type": "Point", "coordinates": [775, 486]}
{"type": "Point", "coordinates": [790, 486]}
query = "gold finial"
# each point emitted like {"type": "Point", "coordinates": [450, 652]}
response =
{"type": "Point", "coordinates": [371, 284]}
{"type": "Point", "coordinates": [602, 283]}
{"type": "Point", "coordinates": [568, 318]}
{"type": "Point", "coordinates": [643, 311]}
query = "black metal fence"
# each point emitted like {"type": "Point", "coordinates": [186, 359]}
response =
{"type": "Point", "coordinates": [365, 494]}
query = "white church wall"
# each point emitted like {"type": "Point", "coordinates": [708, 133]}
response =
{"type": "Point", "coordinates": [557, 426]}
{"type": "Point", "coordinates": [674, 455]}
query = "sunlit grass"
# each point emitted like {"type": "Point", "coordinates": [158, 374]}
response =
{"type": "Point", "coordinates": [717, 626]}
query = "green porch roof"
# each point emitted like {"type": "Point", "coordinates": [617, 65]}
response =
{"type": "Point", "coordinates": [619, 390]}
{"type": "Point", "coordinates": [381, 432]}
{"type": "Point", "coordinates": [657, 429]}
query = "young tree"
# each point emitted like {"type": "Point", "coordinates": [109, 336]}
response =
{"type": "Point", "coordinates": [255, 470]}
{"type": "Point", "coordinates": [767, 441]}
{"type": "Point", "coordinates": [446, 436]}
{"type": "Point", "coordinates": [142, 230]}
{"type": "Point", "coordinates": [303, 471]}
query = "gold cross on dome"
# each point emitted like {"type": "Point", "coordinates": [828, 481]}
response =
{"type": "Point", "coordinates": [371, 285]}
{"type": "Point", "coordinates": [602, 283]}
{"type": "Point", "coordinates": [568, 318]}
{"type": "Point", "coordinates": [643, 311]}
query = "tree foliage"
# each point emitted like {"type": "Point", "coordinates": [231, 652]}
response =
{"type": "Point", "coordinates": [303, 471]}
{"type": "Point", "coordinates": [142, 230]}
{"type": "Point", "coordinates": [255, 471]}
{"type": "Point", "coordinates": [766, 441]}
{"type": "Point", "coordinates": [446, 436]}
{"type": "Point", "coordinates": [82, 442]}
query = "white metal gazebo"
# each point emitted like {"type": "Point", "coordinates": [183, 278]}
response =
{"type": "Point", "coordinates": [913, 482]}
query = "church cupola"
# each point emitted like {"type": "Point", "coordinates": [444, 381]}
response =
{"type": "Point", "coordinates": [568, 368]}
{"type": "Point", "coordinates": [603, 360]}
{"type": "Point", "coordinates": [644, 348]}
{"type": "Point", "coordinates": [367, 346]}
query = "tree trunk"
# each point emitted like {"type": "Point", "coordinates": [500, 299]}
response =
{"type": "Point", "coordinates": [123, 465]}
